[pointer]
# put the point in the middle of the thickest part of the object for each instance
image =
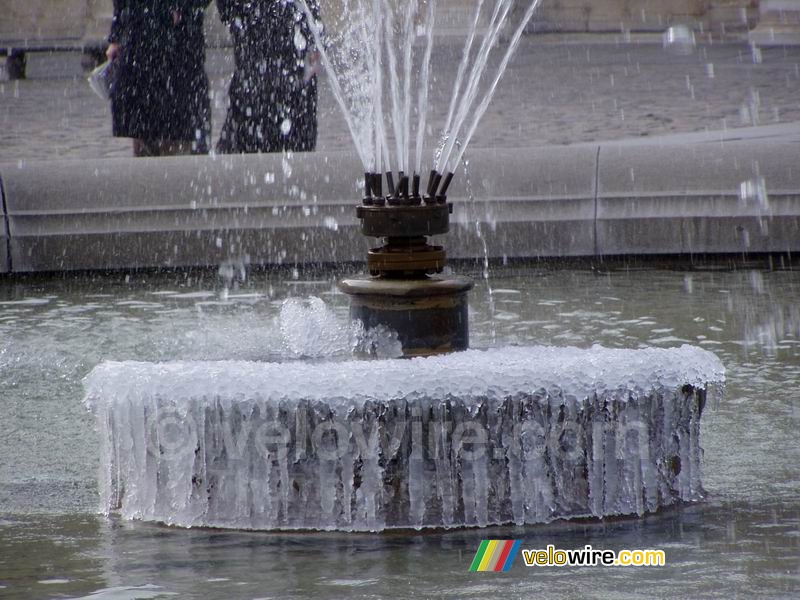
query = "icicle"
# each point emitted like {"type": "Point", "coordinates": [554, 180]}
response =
{"type": "Point", "coordinates": [648, 465]}
{"type": "Point", "coordinates": [445, 475]}
{"type": "Point", "coordinates": [695, 486]}
{"type": "Point", "coordinates": [347, 463]}
{"type": "Point", "coordinates": [416, 491]}
{"type": "Point", "coordinates": [611, 470]}
{"type": "Point", "coordinates": [513, 452]}
{"type": "Point", "coordinates": [596, 474]}
{"type": "Point", "coordinates": [283, 466]}
{"type": "Point", "coordinates": [481, 478]}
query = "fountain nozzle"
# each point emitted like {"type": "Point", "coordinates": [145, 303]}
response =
{"type": "Point", "coordinates": [367, 189]}
{"type": "Point", "coordinates": [402, 190]}
{"type": "Point", "coordinates": [390, 184]}
{"type": "Point", "coordinates": [415, 186]}
{"type": "Point", "coordinates": [377, 190]}
{"type": "Point", "coordinates": [441, 197]}
{"type": "Point", "coordinates": [447, 179]}
{"type": "Point", "coordinates": [433, 184]}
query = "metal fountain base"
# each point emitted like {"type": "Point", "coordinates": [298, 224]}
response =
{"type": "Point", "coordinates": [429, 315]}
{"type": "Point", "coordinates": [405, 291]}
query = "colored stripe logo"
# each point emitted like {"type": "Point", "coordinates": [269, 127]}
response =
{"type": "Point", "coordinates": [495, 555]}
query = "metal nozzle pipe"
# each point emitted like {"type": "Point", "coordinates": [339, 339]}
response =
{"type": "Point", "coordinates": [435, 185]}
{"type": "Point", "coordinates": [447, 179]}
{"type": "Point", "coordinates": [431, 179]}
{"type": "Point", "coordinates": [415, 185]}
{"type": "Point", "coordinates": [367, 185]}
{"type": "Point", "coordinates": [377, 185]}
{"type": "Point", "coordinates": [390, 184]}
{"type": "Point", "coordinates": [377, 189]}
{"type": "Point", "coordinates": [402, 188]}
{"type": "Point", "coordinates": [367, 189]}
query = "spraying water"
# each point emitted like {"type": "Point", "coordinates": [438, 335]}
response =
{"type": "Point", "coordinates": [487, 98]}
{"type": "Point", "coordinates": [356, 56]}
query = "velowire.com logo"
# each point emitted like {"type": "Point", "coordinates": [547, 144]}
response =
{"type": "Point", "coordinates": [498, 555]}
{"type": "Point", "coordinates": [495, 555]}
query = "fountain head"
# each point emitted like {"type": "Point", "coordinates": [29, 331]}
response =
{"type": "Point", "coordinates": [404, 223]}
{"type": "Point", "coordinates": [390, 185]}
{"type": "Point", "coordinates": [403, 291]}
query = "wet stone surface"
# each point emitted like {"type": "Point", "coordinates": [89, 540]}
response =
{"type": "Point", "coordinates": [554, 92]}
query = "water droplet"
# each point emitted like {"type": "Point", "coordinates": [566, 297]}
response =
{"type": "Point", "coordinates": [755, 52]}
{"type": "Point", "coordinates": [300, 42]}
{"type": "Point", "coordinates": [757, 282]}
{"type": "Point", "coordinates": [679, 39]}
{"type": "Point", "coordinates": [754, 191]}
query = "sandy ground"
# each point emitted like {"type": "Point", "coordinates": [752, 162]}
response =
{"type": "Point", "coordinates": [554, 92]}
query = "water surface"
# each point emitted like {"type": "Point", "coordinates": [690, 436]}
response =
{"type": "Point", "coordinates": [743, 541]}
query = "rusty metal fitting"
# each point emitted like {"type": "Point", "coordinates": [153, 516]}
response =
{"type": "Point", "coordinates": [406, 257]}
{"type": "Point", "coordinates": [404, 221]}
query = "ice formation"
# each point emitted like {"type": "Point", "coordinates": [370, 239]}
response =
{"type": "Point", "coordinates": [511, 435]}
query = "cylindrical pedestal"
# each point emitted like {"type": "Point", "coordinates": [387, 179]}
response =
{"type": "Point", "coordinates": [429, 315]}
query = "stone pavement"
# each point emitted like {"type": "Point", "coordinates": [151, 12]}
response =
{"type": "Point", "coordinates": [558, 90]}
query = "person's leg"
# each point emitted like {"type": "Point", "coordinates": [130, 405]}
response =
{"type": "Point", "coordinates": [174, 148]}
{"type": "Point", "coordinates": [152, 148]}
{"type": "Point", "coordinates": [302, 111]}
{"type": "Point", "coordinates": [140, 148]}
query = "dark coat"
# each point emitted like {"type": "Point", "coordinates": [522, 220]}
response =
{"type": "Point", "coordinates": [272, 108]}
{"type": "Point", "coordinates": [159, 88]}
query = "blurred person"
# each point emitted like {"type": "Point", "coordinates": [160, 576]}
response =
{"type": "Point", "coordinates": [273, 92]}
{"type": "Point", "coordinates": [159, 91]}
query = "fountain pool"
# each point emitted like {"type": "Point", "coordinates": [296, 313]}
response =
{"type": "Point", "coordinates": [741, 540]}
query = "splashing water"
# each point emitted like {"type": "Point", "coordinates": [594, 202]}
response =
{"type": "Point", "coordinates": [485, 273]}
{"type": "Point", "coordinates": [310, 329]}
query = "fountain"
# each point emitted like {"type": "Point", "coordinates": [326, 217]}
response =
{"type": "Point", "coordinates": [404, 291]}
{"type": "Point", "coordinates": [473, 438]}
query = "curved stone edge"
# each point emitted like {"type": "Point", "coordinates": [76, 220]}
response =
{"type": "Point", "coordinates": [704, 198]}
{"type": "Point", "coordinates": [722, 193]}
